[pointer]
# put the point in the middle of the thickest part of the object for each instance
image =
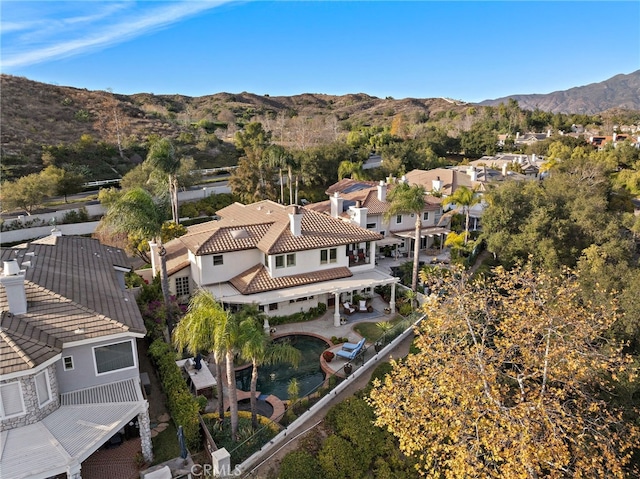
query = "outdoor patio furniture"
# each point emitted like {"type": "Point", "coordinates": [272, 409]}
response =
{"type": "Point", "coordinates": [352, 346]}
{"type": "Point", "coordinates": [348, 309]}
{"type": "Point", "coordinates": [363, 306]}
{"type": "Point", "coordinates": [349, 355]}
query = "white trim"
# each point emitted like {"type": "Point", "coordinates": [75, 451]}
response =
{"type": "Point", "coordinates": [48, 385]}
{"type": "Point", "coordinates": [64, 366]}
{"type": "Point", "coordinates": [111, 337]}
{"type": "Point", "coordinates": [122, 269]}
{"type": "Point", "coordinates": [29, 372]}
{"type": "Point", "coordinates": [133, 355]}
{"type": "Point", "coordinates": [24, 409]}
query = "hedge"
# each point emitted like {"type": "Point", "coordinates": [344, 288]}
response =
{"type": "Point", "coordinates": [183, 406]}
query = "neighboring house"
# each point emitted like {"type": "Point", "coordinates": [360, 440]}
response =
{"type": "Point", "coordinates": [509, 163]}
{"type": "Point", "coordinates": [599, 142]}
{"type": "Point", "coordinates": [284, 259]}
{"type": "Point", "coordinates": [364, 203]}
{"type": "Point", "coordinates": [69, 378]}
{"type": "Point", "coordinates": [530, 138]}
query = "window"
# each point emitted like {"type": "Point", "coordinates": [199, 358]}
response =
{"type": "Point", "coordinates": [425, 216]}
{"type": "Point", "coordinates": [328, 255]}
{"type": "Point", "coordinates": [42, 388]}
{"type": "Point", "coordinates": [11, 399]}
{"type": "Point", "coordinates": [67, 363]}
{"type": "Point", "coordinates": [114, 357]}
{"type": "Point", "coordinates": [273, 306]}
{"type": "Point", "coordinates": [371, 226]}
{"type": "Point", "coordinates": [398, 219]}
{"type": "Point", "coordinates": [288, 259]}
{"type": "Point", "coordinates": [217, 260]}
{"type": "Point", "coordinates": [182, 286]}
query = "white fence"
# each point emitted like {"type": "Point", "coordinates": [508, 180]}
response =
{"type": "Point", "coordinates": [25, 234]}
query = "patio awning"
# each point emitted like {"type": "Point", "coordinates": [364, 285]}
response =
{"type": "Point", "coordinates": [226, 293]}
{"type": "Point", "coordinates": [388, 241]}
{"type": "Point", "coordinates": [424, 232]}
{"type": "Point", "coordinates": [66, 437]}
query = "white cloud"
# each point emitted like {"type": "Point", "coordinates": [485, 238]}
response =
{"type": "Point", "coordinates": [64, 29]}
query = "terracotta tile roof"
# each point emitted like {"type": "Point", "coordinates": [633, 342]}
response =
{"type": "Point", "coordinates": [451, 179]}
{"type": "Point", "coordinates": [257, 279]}
{"type": "Point", "coordinates": [177, 257]}
{"type": "Point", "coordinates": [348, 185]}
{"type": "Point", "coordinates": [369, 199]}
{"type": "Point", "coordinates": [265, 225]}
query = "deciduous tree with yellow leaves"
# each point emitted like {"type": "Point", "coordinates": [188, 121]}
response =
{"type": "Point", "coordinates": [512, 380]}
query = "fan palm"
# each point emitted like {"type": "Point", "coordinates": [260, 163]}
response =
{"type": "Point", "coordinates": [137, 213]}
{"type": "Point", "coordinates": [466, 198]}
{"type": "Point", "coordinates": [196, 332]}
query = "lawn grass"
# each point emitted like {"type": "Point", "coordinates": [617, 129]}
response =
{"type": "Point", "coordinates": [165, 445]}
{"type": "Point", "coordinates": [371, 331]}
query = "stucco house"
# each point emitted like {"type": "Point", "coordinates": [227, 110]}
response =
{"type": "Point", "coordinates": [283, 259]}
{"type": "Point", "coordinates": [69, 378]}
{"type": "Point", "coordinates": [365, 204]}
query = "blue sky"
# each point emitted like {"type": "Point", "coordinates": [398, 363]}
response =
{"type": "Point", "coordinates": [471, 50]}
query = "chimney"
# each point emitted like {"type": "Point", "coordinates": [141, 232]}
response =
{"type": "Point", "coordinates": [471, 171]}
{"type": "Point", "coordinates": [504, 169]}
{"type": "Point", "coordinates": [615, 136]}
{"type": "Point", "coordinates": [548, 133]}
{"type": "Point", "coordinates": [359, 214]}
{"type": "Point", "coordinates": [13, 281]}
{"type": "Point", "coordinates": [295, 221]}
{"type": "Point", "coordinates": [517, 135]}
{"type": "Point", "coordinates": [382, 191]}
{"type": "Point", "coordinates": [336, 205]}
{"type": "Point", "coordinates": [436, 185]}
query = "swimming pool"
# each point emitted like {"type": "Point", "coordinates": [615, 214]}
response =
{"type": "Point", "coordinates": [275, 379]}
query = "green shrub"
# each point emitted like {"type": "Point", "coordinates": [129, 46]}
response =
{"type": "Point", "coordinates": [405, 309]}
{"type": "Point", "coordinates": [299, 465]}
{"type": "Point", "coordinates": [339, 460]}
{"type": "Point", "coordinates": [76, 216]}
{"type": "Point", "coordinates": [183, 407]}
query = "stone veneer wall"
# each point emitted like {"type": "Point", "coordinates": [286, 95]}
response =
{"type": "Point", "coordinates": [34, 413]}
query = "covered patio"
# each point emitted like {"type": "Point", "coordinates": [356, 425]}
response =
{"type": "Point", "coordinates": [333, 293]}
{"type": "Point", "coordinates": [85, 421]}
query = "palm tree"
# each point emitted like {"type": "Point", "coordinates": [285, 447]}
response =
{"type": "Point", "coordinates": [228, 336]}
{"type": "Point", "coordinates": [258, 348]}
{"type": "Point", "coordinates": [196, 332]}
{"type": "Point", "coordinates": [137, 213]}
{"type": "Point", "coordinates": [351, 169]}
{"type": "Point", "coordinates": [275, 156]}
{"type": "Point", "coordinates": [409, 199]}
{"type": "Point", "coordinates": [466, 198]}
{"type": "Point", "coordinates": [162, 155]}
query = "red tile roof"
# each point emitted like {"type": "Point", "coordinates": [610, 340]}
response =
{"type": "Point", "coordinates": [257, 279]}
{"type": "Point", "coordinates": [265, 225]}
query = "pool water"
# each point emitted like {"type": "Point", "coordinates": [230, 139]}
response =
{"type": "Point", "coordinates": [275, 379]}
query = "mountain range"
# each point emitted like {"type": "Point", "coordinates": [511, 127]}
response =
{"type": "Point", "coordinates": [619, 92]}
{"type": "Point", "coordinates": [34, 115]}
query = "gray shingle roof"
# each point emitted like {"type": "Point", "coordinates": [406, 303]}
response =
{"type": "Point", "coordinates": [73, 293]}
